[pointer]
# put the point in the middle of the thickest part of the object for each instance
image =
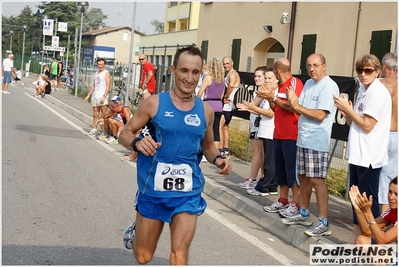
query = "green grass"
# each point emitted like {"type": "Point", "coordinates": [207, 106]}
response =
{"type": "Point", "coordinates": [336, 182]}
{"type": "Point", "coordinates": [81, 93]}
{"type": "Point", "coordinates": [238, 143]}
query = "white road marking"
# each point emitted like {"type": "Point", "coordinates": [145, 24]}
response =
{"type": "Point", "coordinates": [250, 238]}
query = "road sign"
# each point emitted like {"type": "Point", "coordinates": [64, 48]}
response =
{"type": "Point", "coordinates": [48, 26]}
{"type": "Point", "coordinates": [54, 48]}
{"type": "Point", "coordinates": [62, 26]}
{"type": "Point", "coordinates": [55, 40]}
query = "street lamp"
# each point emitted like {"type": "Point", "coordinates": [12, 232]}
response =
{"type": "Point", "coordinates": [24, 28]}
{"type": "Point", "coordinates": [11, 33]}
{"type": "Point", "coordinates": [34, 26]}
{"type": "Point", "coordinates": [83, 6]}
{"type": "Point", "coordinates": [44, 36]}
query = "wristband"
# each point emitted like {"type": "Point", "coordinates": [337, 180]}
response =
{"type": "Point", "coordinates": [274, 99]}
{"type": "Point", "coordinates": [218, 157]}
{"type": "Point", "coordinates": [371, 223]}
{"type": "Point", "coordinates": [133, 144]}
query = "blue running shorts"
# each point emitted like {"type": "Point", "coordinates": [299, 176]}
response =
{"type": "Point", "coordinates": [163, 209]}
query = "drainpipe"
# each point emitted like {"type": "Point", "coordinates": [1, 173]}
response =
{"type": "Point", "coordinates": [356, 33]}
{"type": "Point", "coordinates": [291, 36]}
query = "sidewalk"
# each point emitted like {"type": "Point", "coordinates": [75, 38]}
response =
{"type": "Point", "coordinates": [225, 188]}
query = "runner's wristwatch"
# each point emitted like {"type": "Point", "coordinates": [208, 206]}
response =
{"type": "Point", "coordinates": [218, 157]}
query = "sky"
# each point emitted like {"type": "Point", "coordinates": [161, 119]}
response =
{"type": "Point", "coordinates": [119, 12]}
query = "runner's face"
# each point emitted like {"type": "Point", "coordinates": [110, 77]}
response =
{"type": "Point", "coordinates": [187, 73]}
{"type": "Point", "coordinates": [393, 196]}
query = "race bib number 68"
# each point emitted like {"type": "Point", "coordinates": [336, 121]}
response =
{"type": "Point", "coordinates": [172, 177]}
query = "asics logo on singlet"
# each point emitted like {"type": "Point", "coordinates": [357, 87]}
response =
{"type": "Point", "coordinates": [174, 171]}
{"type": "Point", "coordinates": [166, 171]}
{"type": "Point", "coordinates": [192, 119]}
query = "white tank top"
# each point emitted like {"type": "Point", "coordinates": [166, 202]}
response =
{"type": "Point", "coordinates": [100, 84]}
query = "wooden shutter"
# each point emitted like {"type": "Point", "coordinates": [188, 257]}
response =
{"type": "Point", "coordinates": [380, 43]}
{"type": "Point", "coordinates": [235, 53]}
{"type": "Point", "coordinates": [308, 48]}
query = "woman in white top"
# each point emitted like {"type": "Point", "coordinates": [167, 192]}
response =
{"type": "Point", "coordinates": [257, 144]}
{"type": "Point", "coordinates": [268, 183]}
{"type": "Point", "coordinates": [369, 120]}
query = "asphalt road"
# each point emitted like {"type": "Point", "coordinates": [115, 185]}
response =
{"type": "Point", "coordinates": [67, 199]}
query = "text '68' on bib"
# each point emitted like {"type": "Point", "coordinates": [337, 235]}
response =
{"type": "Point", "coordinates": [173, 177]}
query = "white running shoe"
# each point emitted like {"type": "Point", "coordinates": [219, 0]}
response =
{"type": "Point", "coordinates": [248, 184]}
{"type": "Point", "coordinates": [102, 137]}
{"type": "Point", "coordinates": [93, 132]}
{"type": "Point", "coordinates": [291, 210]}
{"type": "Point", "coordinates": [255, 192]}
{"type": "Point", "coordinates": [129, 235]}
{"type": "Point", "coordinates": [275, 207]}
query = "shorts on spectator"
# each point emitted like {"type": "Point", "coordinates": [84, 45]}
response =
{"type": "Point", "coordinates": [228, 115]}
{"type": "Point", "coordinates": [312, 163]}
{"type": "Point", "coordinates": [95, 102]}
{"type": "Point", "coordinates": [7, 77]}
{"type": "Point", "coordinates": [52, 76]}
{"type": "Point", "coordinates": [163, 209]}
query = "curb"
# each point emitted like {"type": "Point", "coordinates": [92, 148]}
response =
{"type": "Point", "coordinates": [292, 234]}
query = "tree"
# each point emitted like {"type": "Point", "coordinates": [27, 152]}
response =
{"type": "Point", "coordinates": [93, 19]}
{"type": "Point", "coordinates": [61, 11]}
{"type": "Point", "coordinates": [158, 26]}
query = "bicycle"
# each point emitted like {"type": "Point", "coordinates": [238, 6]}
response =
{"type": "Point", "coordinates": [138, 97]}
{"type": "Point", "coordinates": [121, 92]}
{"type": "Point", "coordinates": [65, 80]}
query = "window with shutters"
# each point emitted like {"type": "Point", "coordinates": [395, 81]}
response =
{"type": "Point", "coordinates": [235, 53]}
{"type": "Point", "coordinates": [308, 48]}
{"type": "Point", "coordinates": [204, 49]}
{"type": "Point", "coordinates": [380, 43]}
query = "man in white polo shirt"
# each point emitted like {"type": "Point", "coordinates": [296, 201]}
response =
{"type": "Point", "coordinates": [8, 70]}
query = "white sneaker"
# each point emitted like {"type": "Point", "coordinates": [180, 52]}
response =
{"type": "Point", "coordinates": [111, 140]}
{"type": "Point", "coordinates": [102, 137]}
{"type": "Point", "coordinates": [93, 132]}
{"type": "Point", "coordinates": [248, 184]}
{"type": "Point", "coordinates": [255, 192]}
{"type": "Point", "coordinates": [275, 207]}
{"type": "Point", "coordinates": [6, 92]}
{"type": "Point", "coordinates": [290, 211]}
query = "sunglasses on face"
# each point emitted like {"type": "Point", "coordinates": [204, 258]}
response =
{"type": "Point", "coordinates": [366, 71]}
{"type": "Point", "coordinates": [141, 59]}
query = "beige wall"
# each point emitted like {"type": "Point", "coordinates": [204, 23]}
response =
{"type": "Point", "coordinates": [188, 12]}
{"type": "Point", "coordinates": [333, 22]}
{"type": "Point", "coordinates": [121, 41]}
{"type": "Point", "coordinates": [171, 39]}
{"type": "Point", "coordinates": [194, 16]}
